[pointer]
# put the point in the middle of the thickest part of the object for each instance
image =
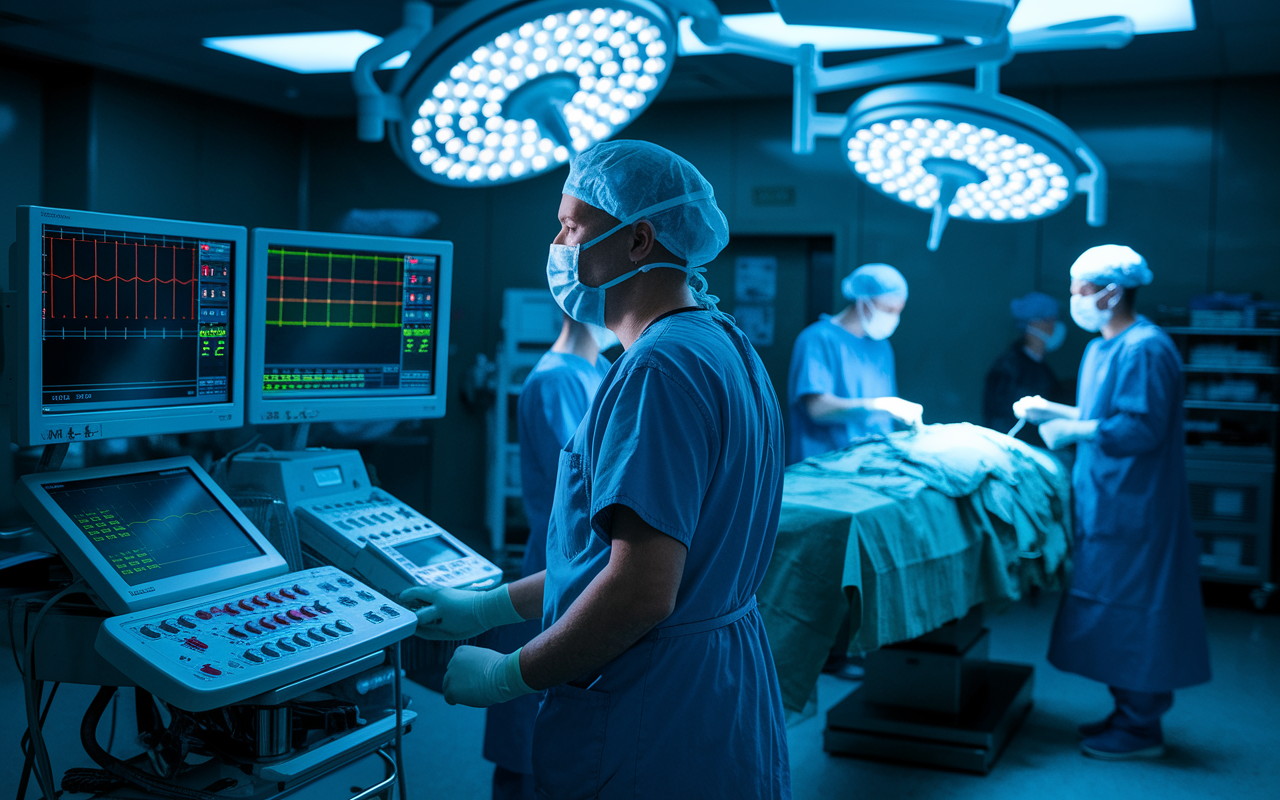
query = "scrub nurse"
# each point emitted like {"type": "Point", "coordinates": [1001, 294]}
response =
{"type": "Point", "coordinates": [658, 676]}
{"type": "Point", "coordinates": [1132, 617]}
{"type": "Point", "coordinates": [553, 400]}
{"type": "Point", "coordinates": [843, 384]}
{"type": "Point", "coordinates": [1021, 371]}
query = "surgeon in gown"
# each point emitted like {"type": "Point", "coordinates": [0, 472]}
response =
{"type": "Point", "coordinates": [1132, 617]}
{"type": "Point", "coordinates": [658, 675]}
{"type": "Point", "coordinates": [553, 400]}
{"type": "Point", "coordinates": [1020, 371]}
{"type": "Point", "coordinates": [843, 384]}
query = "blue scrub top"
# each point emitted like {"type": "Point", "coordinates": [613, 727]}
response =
{"type": "Point", "coordinates": [554, 399]}
{"type": "Point", "coordinates": [1133, 617]}
{"type": "Point", "coordinates": [827, 359]}
{"type": "Point", "coordinates": [685, 431]}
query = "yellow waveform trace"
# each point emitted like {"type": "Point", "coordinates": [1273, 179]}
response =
{"type": "Point", "coordinates": [173, 516]}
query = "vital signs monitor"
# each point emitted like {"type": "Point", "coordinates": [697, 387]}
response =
{"type": "Point", "coordinates": [124, 326]}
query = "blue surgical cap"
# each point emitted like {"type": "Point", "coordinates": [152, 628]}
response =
{"type": "Point", "coordinates": [874, 280]}
{"type": "Point", "coordinates": [1032, 306]}
{"type": "Point", "coordinates": [1111, 263]}
{"type": "Point", "coordinates": [626, 178]}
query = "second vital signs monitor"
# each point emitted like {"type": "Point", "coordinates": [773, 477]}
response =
{"type": "Point", "coordinates": [347, 327]}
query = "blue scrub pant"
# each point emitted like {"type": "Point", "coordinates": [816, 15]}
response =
{"type": "Point", "coordinates": [509, 785]}
{"type": "Point", "coordinates": [1140, 712]}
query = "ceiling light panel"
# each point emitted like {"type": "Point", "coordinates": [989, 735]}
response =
{"type": "Point", "coordinates": [304, 53]}
{"type": "Point", "coordinates": [529, 97]}
{"type": "Point", "coordinates": [1148, 16]}
{"type": "Point", "coordinates": [771, 28]}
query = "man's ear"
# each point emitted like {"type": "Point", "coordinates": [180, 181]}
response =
{"type": "Point", "coordinates": [643, 238]}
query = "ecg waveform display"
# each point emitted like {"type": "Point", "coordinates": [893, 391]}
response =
{"type": "Point", "coordinates": [326, 288]}
{"type": "Point", "coordinates": [133, 319]}
{"type": "Point", "coordinates": [343, 323]}
{"type": "Point", "coordinates": [94, 276]}
{"type": "Point", "coordinates": [154, 525]}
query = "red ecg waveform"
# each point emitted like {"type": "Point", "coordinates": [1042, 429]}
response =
{"type": "Point", "coordinates": [93, 271]}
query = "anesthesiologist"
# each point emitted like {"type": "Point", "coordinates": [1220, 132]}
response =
{"type": "Point", "coordinates": [1020, 370]}
{"type": "Point", "coordinates": [658, 675]}
{"type": "Point", "coordinates": [553, 400]}
{"type": "Point", "coordinates": [843, 383]}
{"type": "Point", "coordinates": [1132, 617]}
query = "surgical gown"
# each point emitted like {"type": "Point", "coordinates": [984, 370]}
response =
{"type": "Point", "coordinates": [1133, 618]}
{"type": "Point", "coordinates": [554, 399]}
{"type": "Point", "coordinates": [827, 359]}
{"type": "Point", "coordinates": [686, 431]}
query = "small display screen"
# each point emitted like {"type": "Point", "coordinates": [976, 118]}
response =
{"type": "Point", "coordinates": [134, 320]}
{"type": "Point", "coordinates": [345, 323]}
{"type": "Point", "coordinates": [154, 525]}
{"type": "Point", "coordinates": [432, 550]}
{"type": "Point", "coordinates": [328, 476]}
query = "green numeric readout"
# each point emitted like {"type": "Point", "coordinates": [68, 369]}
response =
{"type": "Point", "coordinates": [417, 340]}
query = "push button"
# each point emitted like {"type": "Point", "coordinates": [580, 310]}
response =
{"type": "Point", "coordinates": [149, 632]}
{"type": "Point", "coordinates": [186, 622]}
{"type": "Point", "coordinates": [328, 630]}
{"type": "Point", "coordinates": [248, 626]}
{"type": "Point", "coordinates": [273, 597]}
{"type": "Point", "coordinates": [281, 619]}
{"type": "Point", "coordinates": [272, 653]}
{"type": "Point", "coordinates": [323, 609]}
{"type": "Point", "coordinates": [343, 626]}
{"type": "Point", "coordinates": [301, 641]}
{"type": "Point", "coordinates": [252, 657]}
{"type": "Point", "coordinates": [287, 594]}
{"type": "Point", "coordinates": [306, 612]}
{"type": "Point", "coordinates": [259, 602]}
{"type": "Point", "coordinates": [168, 627]}
{"type": "Point", "coordinates": [245, 605]}
{"type": "Point", "coordinates": [239, 634]}
{"type": "Point", "coordinates": [389, 611]}
{"type": "Point", "coordinates": [284, 645]}
{"type": "Point", "coordinates": [363, 595]}
{"type": "Point", "coordinates": [266, 624]}
{"type": "Point", "coordinates": [296, 615]}
{"type": "Point", "coordinates": [196, 644]}
{"type": "Point", "coordinates": [232, 610]}
{"type": "Point", "coordinates": [315, 634]}
{"type": "Point", "coordinates": [204, 615]}
{"type": "Point", "coordinates": [209, 669]}
{"type": "Point", "coordinates": [346, 582]}
{"type": "Point", "coordinates": [299, 590]}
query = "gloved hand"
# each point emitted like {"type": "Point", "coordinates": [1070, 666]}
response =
{"type": "Point", "coordinates": [1037, 410]}
{"type": "Point", "coordinates": [454, 614]}
{"type": "Point", "coordinates": [909, 413]}
{"type": "Point", "coordinates": [479, 678]}
{"type": "Point", "coordinates": [1058, 433]}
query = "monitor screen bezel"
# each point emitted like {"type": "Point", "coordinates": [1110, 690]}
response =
{"type": "Point", "coordinates": [112, 589]}
{"type": "Point", "coordinates": [31, 426]}
{"type": "Point", "coordinates": [271, 411]}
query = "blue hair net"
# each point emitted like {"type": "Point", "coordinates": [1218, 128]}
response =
{"type": "Point", "coordinates": [627, 178]}
{"type": "Point", "coordinates": [1111, 263]}
{"type": "Point", "coordinates": [1033, 305]}
{"type": "Point", "coordinates": [874, 280]}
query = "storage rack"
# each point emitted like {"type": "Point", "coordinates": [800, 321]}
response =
{"type": "Point", "coordinates": [1231, 451]}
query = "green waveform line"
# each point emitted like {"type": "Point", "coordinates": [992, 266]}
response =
{"type": "Point", "coordinates": [172, 516]}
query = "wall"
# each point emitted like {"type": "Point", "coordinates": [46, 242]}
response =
{"type": "Point", "coordinates": [1193, 169]}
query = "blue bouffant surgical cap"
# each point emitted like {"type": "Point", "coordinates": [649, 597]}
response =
{"type": "Point", "coordinates": [1111, 263]}
{"type": "Point", "coordinates": [874, 280]}
{"type": "Point", "coordinates": [629, 178]}
{"type": "Point", "coordinates": [1033, 305]}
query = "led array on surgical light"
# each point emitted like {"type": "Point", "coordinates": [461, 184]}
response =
{"type": "Point", "coordinates": [611, 62]}
{"type": "Point", "coordinates": [1012, 179]}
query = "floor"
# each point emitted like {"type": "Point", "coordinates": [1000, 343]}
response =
{"type": "Point", "coordinates": [1224, 737]}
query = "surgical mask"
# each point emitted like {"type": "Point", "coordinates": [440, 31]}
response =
{"type": "Point", "coordinates": [604, 337]}
{"type": "Point", "coordinates": [1052, 341]}
{"type": "Point", "coordinates": [1085, 311]}
{"type": "Point", "coordinates": [585, 304]}
{"type": "Point", "coordinates": [877, 324]}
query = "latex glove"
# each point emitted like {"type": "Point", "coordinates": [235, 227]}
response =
{"type": "Point", "coordinates": [911, 414]}
{"type": "Point", "coordinates": [1037, 410]}
{"type": "Point", "coordinates": [454, 614]}
{"type": "Point", "coordinates": [1058, 433]}
{"type": "Point", "coordinates": [479, 677]}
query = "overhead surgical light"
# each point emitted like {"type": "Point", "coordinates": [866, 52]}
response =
{"type": "Point", "coordinates": [957, 152]}
{"type": "Point", "coordinates": [507, 89]}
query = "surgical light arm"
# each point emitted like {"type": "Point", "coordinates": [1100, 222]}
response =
{"type": "Point", "coordinates": [373, 107]}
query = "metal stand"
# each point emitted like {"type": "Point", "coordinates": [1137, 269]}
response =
{"type": "Point", "coordinates": [935, 700]}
